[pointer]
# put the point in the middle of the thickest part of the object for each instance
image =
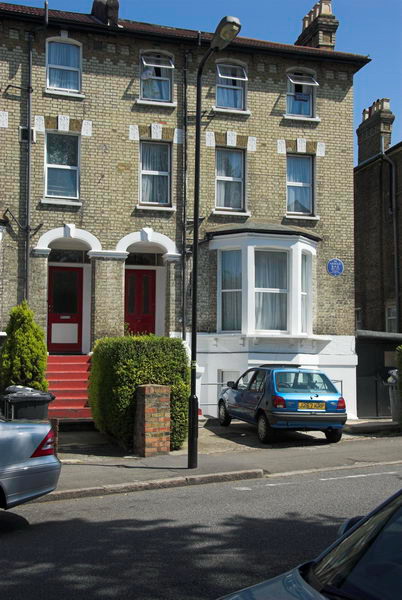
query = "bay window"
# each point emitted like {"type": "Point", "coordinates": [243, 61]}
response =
{"type": "Point", "coordinates": [300, 184]}
{"type": "Point", "coordinates": [62, 165]}
{"type": "Point", "coordinates": [229, 179]}
{"type": "Point", "coordinates": [264, 283]}
{"type": "Point", "coordinates": [155, 173]}
{"type": "Point", "coordinates": [64, 66]}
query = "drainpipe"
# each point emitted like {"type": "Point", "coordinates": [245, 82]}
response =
{"type": "Point", "coordinates": [395, 233]}
{"type": "Point", "coordinates": [184, 213]}
{"type": "Point", "coordinates": [28, 168]}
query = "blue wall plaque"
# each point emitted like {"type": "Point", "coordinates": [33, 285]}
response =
{"type": "Point", "coordinates": [335, 267]}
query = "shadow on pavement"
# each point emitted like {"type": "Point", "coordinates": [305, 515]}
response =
{"type": "Point", "coordinates": [246, 435]}
{"type": "Point", "coordinates": [143, 559]}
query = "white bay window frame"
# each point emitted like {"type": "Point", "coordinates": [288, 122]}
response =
{"type": "Point", "coordinates": [295, 246]}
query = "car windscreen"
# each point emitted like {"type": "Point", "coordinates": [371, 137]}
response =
{"type": "Point", "coordinates": [367, 563]}
{"type": "Point", "coordinates": [302, 382]}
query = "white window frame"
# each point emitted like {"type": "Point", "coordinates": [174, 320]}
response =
{"type": "Point", "coordinates": [161, 173]}
{"type": "Point", "coordinates": [310, 185]}
{"type": "Point", "coordinates": [66, 167]}
{"type": "Point", "coordinates": [306, 80]}
{"type": "Point", "coordinates": [63, 40]}
{"type": "Point", "coordinates": [390, 318]}
{"type": "Point", "coordinates": [146, 63]}
{"type": "Point", "coordinates": [241, 180]}
{"type": "Point", "coordinates": [249, 243]}
{"type": "Point", "coordinates": [242, 86]}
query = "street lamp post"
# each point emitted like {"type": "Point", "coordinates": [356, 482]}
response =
{"type": "Point", "coordinates": [226, 31]}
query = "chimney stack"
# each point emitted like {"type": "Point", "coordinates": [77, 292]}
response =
{"type": "Point", "coordinates": [319, 27]}
{"type": "Point", "coordinates": [374, 132]}
{"type": "Point", "coordinates": [106, 11]}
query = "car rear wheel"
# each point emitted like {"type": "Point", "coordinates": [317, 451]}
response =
{"type": "Point", "coordinates": [224, 417]}
{"type": "Point", "coordinates": [264, 430]}
{"type": "Point", "coordinates": [333, 435]}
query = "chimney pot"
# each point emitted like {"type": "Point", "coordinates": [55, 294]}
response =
{"type": "Point", "coordinates": [319, 27]}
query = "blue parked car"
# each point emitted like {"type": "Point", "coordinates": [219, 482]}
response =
{"type": "Point", "coordinates": [291, 398]}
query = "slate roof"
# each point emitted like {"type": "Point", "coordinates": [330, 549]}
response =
{"type": "Point", "coordinates": [85, 21]}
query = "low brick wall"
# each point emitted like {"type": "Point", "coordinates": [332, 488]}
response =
{"type": "Point", "coordinates": [152, 420]}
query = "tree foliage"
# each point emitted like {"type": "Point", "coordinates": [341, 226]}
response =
{"type": "Point", "coordinates": [23, 356]}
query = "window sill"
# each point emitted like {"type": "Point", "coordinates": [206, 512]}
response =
{"type": "Point", "coordinates": [301, 118]}
{"type": "Point", "coordinates": [60, 201]}
{"type": "Point", "coordinates": [234, 111]}
{"type": "Point", "coordinates": [156, 103]}
{"type": "Point", "coordinates": [49, 92]}
{"type": "Point", "coordinates": [234, 213]}
{"type": "Point", "coordinates": [158, 207]}
{"type": "Point", "coordinates": [303, 217]}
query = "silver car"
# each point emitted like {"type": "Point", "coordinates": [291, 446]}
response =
{"type": "Point", "coordinates": [28, 465]}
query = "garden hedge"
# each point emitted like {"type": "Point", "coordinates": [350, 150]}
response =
{"type": "Point", "coordinates": [119, 365]}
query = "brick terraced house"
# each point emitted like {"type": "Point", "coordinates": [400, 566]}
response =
{"type": "Point", "coordinates": [378, 228]}
{"type": "Point", "coordinates": [96, 202]}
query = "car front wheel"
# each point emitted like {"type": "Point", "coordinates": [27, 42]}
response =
{"type": "Point", "coordinates": [333, 435]}
{"type": "Point", "coordinates": [224, 417]}
{"type": "Point", "coordinates": [264, 430]}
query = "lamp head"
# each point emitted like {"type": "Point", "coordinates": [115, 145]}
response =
{"type": "Point", "coordinates": [225, 33]}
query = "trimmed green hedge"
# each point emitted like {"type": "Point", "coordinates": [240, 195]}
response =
{"type": "Point", "coordinates": [121, 364]}
{"type": "Point", "coordinates": [23, 355]}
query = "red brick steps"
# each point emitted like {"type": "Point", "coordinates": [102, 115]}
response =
{"type": "Point", "coordinates": [68, 381]}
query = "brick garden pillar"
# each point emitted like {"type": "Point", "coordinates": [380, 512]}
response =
{"type": "Point", "coordinates": [152, 420]}
{"type": "Point", "coordinates": [107, 310]}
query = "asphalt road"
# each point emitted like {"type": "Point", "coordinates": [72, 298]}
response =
{"type": "Point", "coordinates": [187, 543]}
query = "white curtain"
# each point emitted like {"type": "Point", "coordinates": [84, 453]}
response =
{"type": "Point", "coordinates": [299, 104]}
{"type": "Point", "coordinates": [271, 298]}
{"type": "Point", "coordinates": [155, 186]}
{"type": "Point", "coordinates": [63, 55]}
{"type": "Point", "coordinates": [156, 89]}
{"type": "Point", "coordinates": [231, 290]}
{"type": "Point", "coordinates": [299, 172]}
{"type": "Point", "coordinates": [229, 97]}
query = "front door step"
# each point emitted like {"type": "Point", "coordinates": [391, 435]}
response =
{"type": "Point", "coordinates": [68, 381]}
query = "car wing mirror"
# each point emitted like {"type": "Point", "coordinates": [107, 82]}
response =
{"type": "Point", "coordinates": [231, 384]}
{"type": "Point", "coordinates": [348, 524]}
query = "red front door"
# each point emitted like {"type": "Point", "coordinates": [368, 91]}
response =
{"type": "Point", "coordinates": [140, 300]}
{"type": "Point", "coordinates": [65, 310]}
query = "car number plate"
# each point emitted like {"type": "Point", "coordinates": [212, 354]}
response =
{"type": "Point", "coordinates": [311, 405]}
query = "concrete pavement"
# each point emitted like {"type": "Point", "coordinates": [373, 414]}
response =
{"type": "Point", "coordinates": [93, 466]}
